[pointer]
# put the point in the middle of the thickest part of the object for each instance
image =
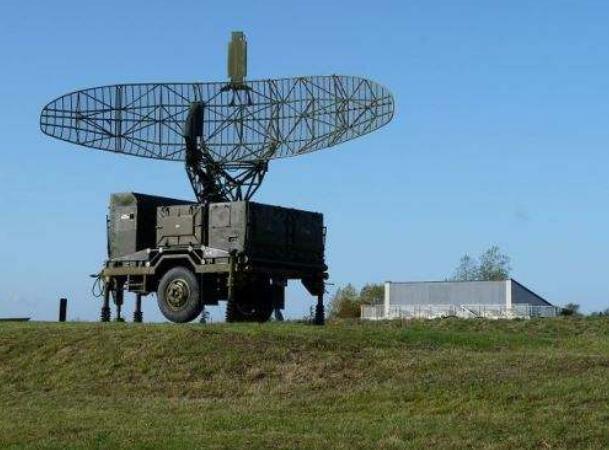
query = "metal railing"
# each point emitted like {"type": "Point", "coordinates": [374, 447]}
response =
{"type": "Point", "coordinates": [468, 311]}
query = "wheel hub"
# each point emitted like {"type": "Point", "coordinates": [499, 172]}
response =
{"type": "Point", "coordinates": [246, 309]}
{"type": "Point", "coordinates": [177, 293]}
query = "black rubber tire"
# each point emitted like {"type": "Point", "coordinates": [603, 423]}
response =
{"type": "Point", "coordinates": [252, 303]}
{"type": "Point", "coordinates": [189, 306]}
{"type": "Point", "coordinates": [259, 312]}
{"type": "Point", "coordinates": [264, 312]}
{"type": "Point", "coordinates": [232, 312]}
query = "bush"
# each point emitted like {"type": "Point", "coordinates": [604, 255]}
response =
{"type": "Point", "coordinates": [347, 302]}
{"type": "Point", "coordinates": [570, 309]}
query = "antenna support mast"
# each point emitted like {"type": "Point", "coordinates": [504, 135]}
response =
{"type": "Point", "coordinates": [211, 181]}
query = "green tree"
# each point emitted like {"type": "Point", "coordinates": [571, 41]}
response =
{"type": "Point", "coordinates": [345, 303]}
{"type": "Point", "coordinates": [494, 265]}
{"type": "Point", "coordinates": [467, 270]}
{"type": "Point", "coordinates": [372, 294]}
{"type": "Point", "coordinates": [570, 309]}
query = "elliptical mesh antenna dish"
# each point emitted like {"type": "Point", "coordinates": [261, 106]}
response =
{"type": "Point", "coordinates": [225, 132]}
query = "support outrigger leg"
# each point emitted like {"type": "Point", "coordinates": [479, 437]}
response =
{"type": "Point", "coordinates": [319, 310]}
{"type": "Point", "coordinates": [118, 301]}
{"type": "Point", "coordinates": [105, 311]}
{"type": "Point", "coordinates": [316, 287]}
{"type": "Point", "coordinates": [231, 306]}
{"type": "Point", "coordinates": [138, 315]}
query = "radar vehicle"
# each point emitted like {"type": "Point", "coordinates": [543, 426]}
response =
{"type": "Point", "coordinates": [222, 246]}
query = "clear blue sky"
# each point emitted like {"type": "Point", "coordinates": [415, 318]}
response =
{"type": "Point", "coordinates": [501, 136]}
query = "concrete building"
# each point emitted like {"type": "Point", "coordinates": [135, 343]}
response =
{"type": "Point", "coordinates": [468, 299]}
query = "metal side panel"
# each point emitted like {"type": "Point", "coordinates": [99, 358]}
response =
{"type": "Point", "coordinates": [132, 222]}
{"type": "Point", "coordinates": [285, 234]}
{"type": "Point", "coordinates": [179, 225]}
{"type": "Point", "coordinates": [267, 233]}
{"type": "Point", "coordinates": [227, 225]}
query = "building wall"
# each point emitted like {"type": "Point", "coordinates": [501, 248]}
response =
{"type": "Point", "coordinates": [448, 293]}
{"type": "Point", "coordinates": [520, 294]}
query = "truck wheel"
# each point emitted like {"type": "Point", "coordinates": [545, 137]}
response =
{"type": "Point", "coordinates": [247, 312]}
{"type": "Point", "coordinates": [251, 304]}
{"type": "Point", "coordinates": [264, 311]}
{"type": "Point", "coordinates": [178, 295]}
{"type": "Point", "coordinates": [260, 312]}
{"type": "Point", "coordinates": [232, 313]}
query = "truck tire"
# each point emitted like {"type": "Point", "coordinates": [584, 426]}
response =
{"type": "Point", "coordinates": [260, 312]}
{"type": "Point", "coordinates": [264, 312]}
{"type": "Point", "coordinates": [252, 303]}
{"type": "Point", "coordinates": [243, 312]}
{"type": "Point", "coordinates": [178, 295]}
{"type": "Point", "coordinates": [232, 313]}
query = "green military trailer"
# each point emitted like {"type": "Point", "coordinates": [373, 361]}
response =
{"type": "Point", "coordinates": [192, 255]}
{"type": "Point", "coordinates": [223, 246]}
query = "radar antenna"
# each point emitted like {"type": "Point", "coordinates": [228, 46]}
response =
{"type": "Point", "coordinates": [225, 132]}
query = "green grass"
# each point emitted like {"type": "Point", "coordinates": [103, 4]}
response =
{"type": "Point", "coordinates": [444, 384]}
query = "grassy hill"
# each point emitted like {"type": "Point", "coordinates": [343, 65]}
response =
{"type": "Point", "coordinates": [445, 384]}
